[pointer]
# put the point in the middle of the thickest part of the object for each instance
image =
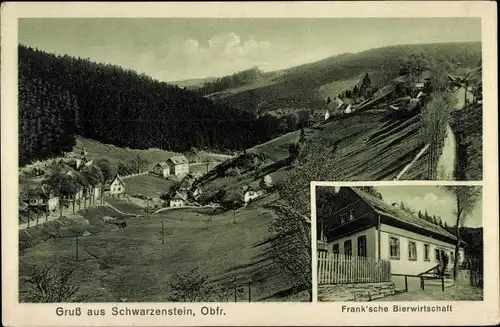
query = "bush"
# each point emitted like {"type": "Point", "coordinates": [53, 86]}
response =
{"type": "Point", "coordinates": [194, 287]}
{"type": "Point", "coordinates": [51, 285]}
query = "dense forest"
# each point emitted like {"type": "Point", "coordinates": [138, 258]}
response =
{"type": "Point", "coordinates": [60, 96]}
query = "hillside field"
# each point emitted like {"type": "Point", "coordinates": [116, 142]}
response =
{"type": "Point", "coordinates": [148, 185]}
{"type": "Point", "coordinates": [133, 264]}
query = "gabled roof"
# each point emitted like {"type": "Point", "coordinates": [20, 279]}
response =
{"type": "Point", "coordinates": [390, 211]}
{"type": "Point", "coordinates": [119, 179]}
{"type": "Point", "coordinates": [177, 160]}
{"type": "Point", "coordinates": [162, 164]}
{"type": "Point", "coordinates": [180, 195]}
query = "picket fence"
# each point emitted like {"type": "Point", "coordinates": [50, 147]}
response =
{"type": "Point", "coordinates": [340, 269]}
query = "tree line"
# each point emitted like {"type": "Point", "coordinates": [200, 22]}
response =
{"type": "Point", "coordinates": [231, 81]}
{"type": "Point", "coordinates": [61, 96]}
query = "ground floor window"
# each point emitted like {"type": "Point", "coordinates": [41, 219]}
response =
{"type": "Point", "coordinates": [362, 246]}
{"type": "Point", "coordinates": [348, 248]}
{"type": "Point", "coordinates": [426, 252]}
{"type": "Point", "coordinates": [335, 248]}
{"type": "Point", "coordinates": [412, 251]}
{"type": "Point", "coordinates": [436, 252]}
{"type": "Point", "coordinates": [394, 247]}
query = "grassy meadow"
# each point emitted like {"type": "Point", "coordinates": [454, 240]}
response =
{"type": "Point", "coordinates": [132, 263]}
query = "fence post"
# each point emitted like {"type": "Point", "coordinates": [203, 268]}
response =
{"type": "Point", "coordinates": [406, 283]}
{"type": "Point", "coordinates": [442, 282]}
{"type": "Point", "coordinates": [249, 292]}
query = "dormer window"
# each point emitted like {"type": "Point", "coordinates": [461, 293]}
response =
{"type": "Point", "coordinates": [351, 214]}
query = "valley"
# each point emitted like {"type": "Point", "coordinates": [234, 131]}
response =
{"type": "Point", "coordinates": [170, 184]}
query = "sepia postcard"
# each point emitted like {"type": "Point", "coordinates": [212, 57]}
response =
{"type": "Point", "coordinates": [255, 163]}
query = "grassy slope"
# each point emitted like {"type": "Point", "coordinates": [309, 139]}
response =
{"type": "Point", "coordinates": [369, 147]}
{"type": "Point", "coordinates": [140, 266]}
{"type": "Point", "coordinates": [372, 148]}
{"type": "Point", "coordinates": [97, 150]}
{"type": "Point", "coordinates": [148, 185]}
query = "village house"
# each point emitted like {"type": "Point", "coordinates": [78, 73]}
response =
{"type": "Point", "coordinates": [327, 114]}
{"type": "Point", "coordinates": [250, 194]}
{"type": "Point", "coordinates": [196, 192]}
{"type": "Point", "coordinates": [178, 165]}
{"type": "Point", "coordinates": [117, 186]}
{"type": "Point", "coordinates": [179, 199]}
{"type": "Point", "coordinates": [162, 169]}
{"type": "Point", "coordinates": [363, 225]}
{"type": "Point", "coordinates": [44, 198]}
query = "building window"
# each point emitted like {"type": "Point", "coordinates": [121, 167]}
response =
{"type": "Point", "coordinates": [394, 247]}
{"type": "Point", "coordinates": [412, 251]}
{"type": "Point", "coordinates": [343, 217]}
{"type": "Point", "coordinates": [351, 214]}
{"type": "Point", "coordinates": [348, 248]}
{"type": "Point", "coordinates": [426, 252]}
{"type": "Point", "coordinates": [452, 257]}
{"type": "Point", "coordinates": [119, 189]}
{"type": "Point", "coordinates": [436, 252]}
{"type": "Point", "coordinates": [335, 248]}
{"type": "Point", "coordinates": [362, 246]}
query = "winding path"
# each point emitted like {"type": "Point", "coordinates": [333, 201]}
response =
{"type": "Point", "coordinates": [447, 159]}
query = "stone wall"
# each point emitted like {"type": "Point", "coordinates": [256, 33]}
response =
{"type": "Point", "coordinates": [358, 292]}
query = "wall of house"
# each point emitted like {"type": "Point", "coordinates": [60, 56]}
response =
{"type": "Point", "coordinates": [116, 187]}
{"type": "Point", "coordinates": [176, 203]}
{"type": "Point", "coordinates": [53, 203]}
{"type": "Point", "coordinates": [371, 242]}
{"type": "Point", "coordinates": [404, 265]}
{"type": "Point", "coordinates": [251, 195]}
{"type": "Point", "coordinates": [179, 170]}
{"type": "Point", "coordinates": [359, 292]}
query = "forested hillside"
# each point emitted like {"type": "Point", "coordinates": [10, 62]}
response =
{"type": "Point", "coordinates": [61, 96]}
{"type": "Point", "coordinates": [299, 87]}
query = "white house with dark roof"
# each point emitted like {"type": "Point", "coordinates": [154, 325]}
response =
{"type": "Point", "coordinates": [363, 225]}
{"type": "Point", "coordinates": [179, 199]}
{"type": "Point", "coordinates": [178, 165]}
{"type": "Point", "coordinates": [117, 186]}
{"type": "Point", "coordinates": [162, 169]}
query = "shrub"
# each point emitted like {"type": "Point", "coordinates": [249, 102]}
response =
{"type": "Point", "coordinates": [193, 286]}
{"type": "Point", "coordinates": [51, 285]}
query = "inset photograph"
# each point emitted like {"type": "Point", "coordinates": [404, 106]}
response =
{"type": "Point", "coordinates": [399, 243]}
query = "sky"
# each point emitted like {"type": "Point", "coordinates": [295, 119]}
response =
{"type": "Point", "coordinates": [174, 49]}
{"type": "Point", "coordinates": [431, 198]}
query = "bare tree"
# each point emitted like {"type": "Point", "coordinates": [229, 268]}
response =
{"type": "Point", "coordinates": [466, 198]}
{"type": "Point", "coordinates": [51, 285]}
{"type": "Point", "coordinates": [435, 117]}
{"type": "Point", "coordinates": [291, 246]}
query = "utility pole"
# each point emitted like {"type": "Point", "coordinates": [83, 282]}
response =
{"type": "Point", "coordinates": [234, 283]}
{"type": "Point", "coordinates": [249, 291]}
{"type": "Point", "coordinates": [76, 243]}
{"type": "Point", "coordinates": [162, 234]}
